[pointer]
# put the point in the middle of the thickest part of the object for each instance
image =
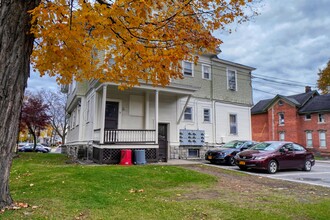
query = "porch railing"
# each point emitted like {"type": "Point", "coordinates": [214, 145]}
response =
{"type": "Point", "coordinates": [122, 136]}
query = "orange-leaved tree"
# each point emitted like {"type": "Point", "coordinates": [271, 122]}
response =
{"type": "Point", "coordinates": [142, 39]}
{"type": "Point", "coordinates": [323, 82]}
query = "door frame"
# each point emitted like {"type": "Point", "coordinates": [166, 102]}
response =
{"type": "Point", "coordinates": [119, 111]}
{"type": "Point", "coordinates": [167, 137]}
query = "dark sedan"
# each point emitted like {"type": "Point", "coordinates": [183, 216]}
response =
{"type": "Point", "coordinates": [275, 155]}
{"type": "Point", "coordinates": [226, 153]}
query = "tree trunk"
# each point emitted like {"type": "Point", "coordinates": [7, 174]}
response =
{"type": "Point", "coordinates": [15, 49]}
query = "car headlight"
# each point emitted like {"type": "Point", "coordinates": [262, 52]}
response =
{"type": "Point", "coordinates": [260, 157]}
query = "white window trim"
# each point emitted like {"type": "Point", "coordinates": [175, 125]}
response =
{"type": "Point", "coordinates": [307, 133]}
{"type": "Point", "coordinates": [325, 139]}
{"type": "Point", "coordinates": [210, 72]}
{"type": "Point", "coordinates": [280, 122]}
{"type": "Point", "coordinates": [192, 114]}
{"type": "Point", "coordinates": [192, 68]}
{"type": "Point", "coordinates": [318, 118]}
{"type": "Point", "coordinates": [210, 115]}
{"type": "Point", "coordinates": [236, 117]}
{"type": "Point", "coordinates": [308, 119]}
{"type": "Point", "coordinates": [280, 134]}
{"type": "Point", "coordinates": [228, 88]}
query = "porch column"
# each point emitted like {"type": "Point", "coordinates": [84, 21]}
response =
{"type": "Point", "coordinates": [156, 115]}
{"type": "Point", "coordinates": [146, 111]}
{"type": "Point", "coordinates": [104, 100]}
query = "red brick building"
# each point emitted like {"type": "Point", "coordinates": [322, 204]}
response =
{"type": "Point", "coordinates": [303, 118]}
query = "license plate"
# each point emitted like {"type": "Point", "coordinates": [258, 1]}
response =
{"type": "Point", "coordinates": [241, 163]}
{"type": "Point", "coordinates": [209, 157]}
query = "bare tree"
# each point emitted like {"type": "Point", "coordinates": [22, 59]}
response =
{"type": "Point", "coordinates": [56, 109]}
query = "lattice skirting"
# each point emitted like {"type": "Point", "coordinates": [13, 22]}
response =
{"type": "Point", "coordinates": [112, 156]}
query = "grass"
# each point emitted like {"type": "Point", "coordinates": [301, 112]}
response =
{"type": "Point", "coordinates": [70, 191]}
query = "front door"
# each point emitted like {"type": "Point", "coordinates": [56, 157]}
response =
{"type": "Point", "coordinates": [162, 142]}
{"type": "Point", "coordinates": [111, 115]}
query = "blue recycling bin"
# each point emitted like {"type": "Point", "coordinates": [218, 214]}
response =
{"type": "Point", "coordinates": [139, 157]}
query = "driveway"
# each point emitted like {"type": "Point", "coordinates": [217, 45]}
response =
{"type": "Point", "coordinates": [319, 175]}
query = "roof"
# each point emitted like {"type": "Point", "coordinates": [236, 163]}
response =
{"type": "Point", "coordinates": [297, 100]}
{"type": "Point", "coordinates": [319, 103]}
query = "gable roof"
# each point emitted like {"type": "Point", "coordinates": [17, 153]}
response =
{"type": "Point", "coordinates": [297, 100]}
{"type": "Point", "coordinates": [319, 103]}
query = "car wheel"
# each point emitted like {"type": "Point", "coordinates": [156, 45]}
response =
{"type": "Point", "coordinates": [272, 167]}
{"type": "Point", "coordinates": [307, 165]}
{"type": "Point", "coordinates": [242, 168]}
{"type": "Point", "coordinates": [231, 161]}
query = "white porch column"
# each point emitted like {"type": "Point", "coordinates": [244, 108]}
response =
{"type": "Point", "coordinates": [104, 100]}
{"type": "Point", "coordinates": [156, 115]}
{"type": "Point", "coordinates": [146, 111]}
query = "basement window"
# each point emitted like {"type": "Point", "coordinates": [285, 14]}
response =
{"type": "Point", "coordinates": [193, 153]}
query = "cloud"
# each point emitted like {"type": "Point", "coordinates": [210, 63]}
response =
{"type": "Point", "coordinates": [36, 82]}
{"type": "Point", "coordinates": [289, 41]}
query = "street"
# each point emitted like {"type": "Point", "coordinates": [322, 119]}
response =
{"type": "Point", "coordinates": [319, 175]}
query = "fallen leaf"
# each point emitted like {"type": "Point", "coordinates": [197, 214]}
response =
{"type": "Point", "coordinates": [141, 190]}
{"type": "Point", "coordinates": [35, 207]}
{"type": "Point", "coordinates": [31, 184]}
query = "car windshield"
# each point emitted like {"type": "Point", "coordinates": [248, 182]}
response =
{"type": "Point", "coordinates": [233, 144]}
{"type": "Point", "coordinates": [266, 146]}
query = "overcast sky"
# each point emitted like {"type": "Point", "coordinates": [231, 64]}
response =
{"type": "Point", "coordinates": [288, 42]}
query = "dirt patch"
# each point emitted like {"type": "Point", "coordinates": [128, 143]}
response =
{"type": "Point", "coordinates": [236, 186]}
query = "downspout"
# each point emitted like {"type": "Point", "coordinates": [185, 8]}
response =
{"type": "Point", "coordinates": [273, 135]}
{"type": "Point", "coordinates": [214, 124]}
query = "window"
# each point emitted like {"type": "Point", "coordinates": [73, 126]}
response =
{"type": "Point", "coordinates": [280, 102]}
{"type": "Point", "coordinates": [206, 69]}
{"type": "Point", "coordinates": [281, 136]}
{"type": "Point", "coordinates": [233, 124]}
{"type": "Point", "coordinates": [322, 137]}
{"type": "Point", "coordinates": [308, 117]}
{"type": "Point", "coordinates": [188, 114]}
{"type": "Point", "coordinates": [321, 118]}
{"type": "Point", "coordinates": [297, 147]}
{"type": "Point", "coordinates": [207, 115]}
{"type": "Point", "coordinates": [231, 79]}
{"type": "Point", "coordinates": [309, 139]}
{"type": "Point", "coordinates": [187, 68]}
{"type": "Point", "coordinates": [193, 153]}
{"type": "Point", "coordinates": [281, 118]}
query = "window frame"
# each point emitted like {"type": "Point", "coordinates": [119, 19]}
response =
{"type": "Point", "coordinates": [308, 119]}
{"type": "Point", "coordinates": [203, 71]}
{"type": "Point", "coordinates": [309, 140]}
{"type": "Point", "coordinates": [184, 67]}
{"type": "Point", "coordinates": [209, 115]}
{"type": "Point", "coordinates": [228, 80]}
{"type": "Point", "coordinates": [323, 140]}
{"type": "Point", "coordinates": [281, 120]}
{"type": "Point", "coordinates": [281, 136]}
{"type": "Point", "coordinates": [233, 124]}
{"type": "Point", "coordinates": [321, 118]}
{"type": "Point", "coordinates": [187, 113]}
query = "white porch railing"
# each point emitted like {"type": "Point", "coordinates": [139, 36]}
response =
{"type": "Point", "coordinates": [122, 136]}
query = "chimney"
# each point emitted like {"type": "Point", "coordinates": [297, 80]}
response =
{"type": "Point", "coordinates": [308, 89]}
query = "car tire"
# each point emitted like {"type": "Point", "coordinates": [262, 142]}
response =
{"type": "Point", "coordinates": [243, 168]}
{"type": "Point", "coordinates": [272, 167]}
{"type": "Point", "coordinates": [231, 161]}
{"type": "Point", "coordinates": [307, 165]}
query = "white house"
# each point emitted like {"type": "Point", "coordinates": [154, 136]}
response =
{"type": "Point", "coordinates": [211, 105]}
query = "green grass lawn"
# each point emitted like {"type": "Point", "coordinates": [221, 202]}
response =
{"type": "Point", "coordinates": [70, 191]}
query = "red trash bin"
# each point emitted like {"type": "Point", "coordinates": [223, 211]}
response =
{"type": "Point", "coordinates": [125, 157]}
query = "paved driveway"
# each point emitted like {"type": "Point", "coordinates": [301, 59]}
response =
{"type": "Point", "coordinates": [319, 175]}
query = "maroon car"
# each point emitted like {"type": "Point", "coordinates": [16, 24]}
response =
{"type": "Point", "coordinates": [275, 155]}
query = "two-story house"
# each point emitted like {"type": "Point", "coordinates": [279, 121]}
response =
{"type": "Point", "coordinates": [303, 118]}
{"type": "Point", "coordinates": [211, 105]}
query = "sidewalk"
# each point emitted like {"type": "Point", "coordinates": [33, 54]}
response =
{"type": "Point", "coordinates": [179, 162]}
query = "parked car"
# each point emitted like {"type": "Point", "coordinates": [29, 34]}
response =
{"type": "Point", "coordinates": [275, 155]}
{"type": "Point", "coordinates": [226, 153]}
{"type": "Point", "coordinates": [29, 148]}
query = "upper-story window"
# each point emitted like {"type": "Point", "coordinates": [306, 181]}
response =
{"type": "Point", "coordinates": [281, 118]}
{"type": "Point", "coordinates": [207, 115]}
{"type": "Point", "coordinates": [206, 71]}
{"type": "Point", "coordinates": [308, 117]}
{"type": "Point", "coordinates": [232, 80]}
{"type": "Point", "coordinates": [321, 118]}
{"type": "Point", "coordinates": [188, 68]}
{"type": "Point", "coordinates": [188, 114]}
{"type": "Point", "coordinates": [280, 102]}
